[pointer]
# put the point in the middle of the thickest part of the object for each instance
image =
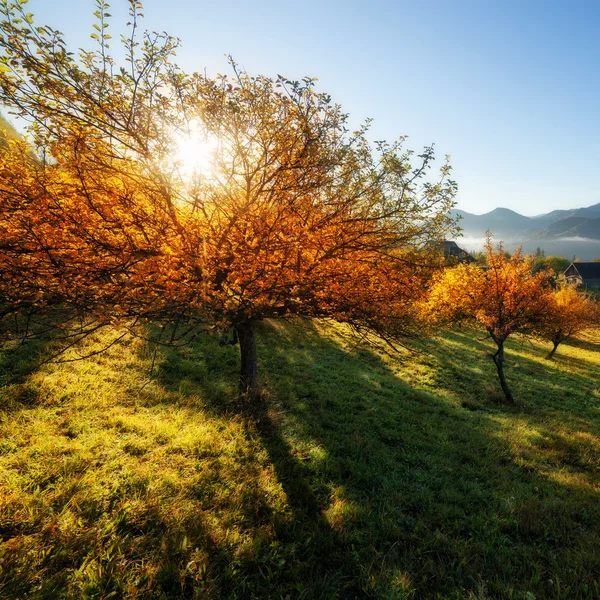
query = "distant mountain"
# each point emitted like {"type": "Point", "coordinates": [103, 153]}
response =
{"type": "Point", "coordinates": [500, 220]}
{"type": "Point", "coordinates": [573, 227]}
{"type": "Point", "coordinates": [590, 229]}
{"type": "Point", "coordinates": [568, 233]}
{"type": "Point", "coordinates": [562, 227]}
{"type": "Point", "coordinates": [587, 212]}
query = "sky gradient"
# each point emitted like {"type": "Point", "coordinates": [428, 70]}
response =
{"type": "Point", "coordinates": [509, 89]}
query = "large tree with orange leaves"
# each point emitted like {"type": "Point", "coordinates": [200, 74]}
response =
{"type": "Point", "coordinates": [504, 298]}
{"type": "Point", "coordinates": [569, 312]}
{"type": "Point", "coordinates": [296, 216]}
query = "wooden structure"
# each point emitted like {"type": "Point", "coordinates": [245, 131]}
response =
{"type": "Point", "coordinates": [452, 252]}
{"type": "Point", "coordinates": [583, 274]}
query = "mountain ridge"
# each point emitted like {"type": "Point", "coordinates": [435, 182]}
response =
{"type": "Point", "coordinates": [565, 232]}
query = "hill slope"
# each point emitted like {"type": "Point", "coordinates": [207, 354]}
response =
{"type": "Point", "coordinates": [361, 475]}
{"type": "Point", "coordinates": [588, 212]}
{"type": "Point", "coordinates": [583, 227]}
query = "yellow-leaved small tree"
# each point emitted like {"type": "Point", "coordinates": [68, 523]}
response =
{"type": "Point", "coordinates": [504, 298]}
{"type": "Point", "coordinates": [570, 312]}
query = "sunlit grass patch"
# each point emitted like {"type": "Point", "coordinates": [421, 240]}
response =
{"type": "Point", "coordinates": [359, 474]}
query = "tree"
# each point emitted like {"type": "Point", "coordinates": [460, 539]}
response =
{"type": "Point", "coordinates": [480, 257]}
{"type": "Point", "coordinates": [296, 215]}
{"type": "Point", "coordinates": [505, 298]}
{"type": "Point", "coordinates": [569, 312]}
{"type": "Point", "coordinates": [558, 264]}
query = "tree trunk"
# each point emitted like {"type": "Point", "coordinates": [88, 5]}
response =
{"type": "Point", "coordinates": [551, 353]}
{"type": "Point", "coordinates": [245, 334]}
{"type": "Point", "coordinates": [499, 362]}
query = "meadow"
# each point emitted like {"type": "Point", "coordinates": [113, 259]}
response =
{"type": "Point", "coordinates": [360, 473]}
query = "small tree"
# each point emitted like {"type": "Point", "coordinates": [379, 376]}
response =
{"type": "Point", "coordinates": [505, 298]}
{"type": "Point", "coordinates": [557, 264]}
{"type": "Point", "coordinates": [296, 215]}
{"type": "Point", "coordinates": [569, 312]}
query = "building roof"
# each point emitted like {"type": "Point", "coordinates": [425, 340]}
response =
{"type": "Point", "coordinates": [587, 270]}
{"type": "Point", "coordinates": [451, 248]}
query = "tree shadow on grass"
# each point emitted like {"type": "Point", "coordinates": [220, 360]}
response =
{"type": "Point", "coordinates": [468, 358]}
{"type": "Point", "coordinates": [585, 342]}
{"type": "Point", "coordinates": [397, 492]}
{"type": "Point", "coordinates": [18, 361]}
{"type": "Point", "coordinates": [308, 559]}
{"type": "Point", "coordinates": [355, 477]}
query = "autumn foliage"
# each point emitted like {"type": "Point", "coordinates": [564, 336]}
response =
{"type": "Point", "coordinates": [569, 312]}
{"type": "Point", "coordinates": [504, 299]}
{"type": "Point", "coordinates": [296, 216]}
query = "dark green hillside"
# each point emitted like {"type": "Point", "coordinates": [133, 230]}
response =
{"type": "Point", "coordinates": [359, 476]}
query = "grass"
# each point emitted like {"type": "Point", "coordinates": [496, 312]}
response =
{"type": "Point", "coordinates": [359, 475]}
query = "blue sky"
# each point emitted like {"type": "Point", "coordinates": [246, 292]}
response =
{"type": "Point", "coordinates": [509, 89]}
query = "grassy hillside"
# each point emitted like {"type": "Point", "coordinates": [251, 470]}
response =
{"type": "Point", "coordinates": [360, 475]}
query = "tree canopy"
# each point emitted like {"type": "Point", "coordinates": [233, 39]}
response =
{"type": "Point", "coordinates": [504, 298]}
{"type": "Point", "coordinates": [558, 264]}
{"type": "Point", "coordinates": [297, 215]}
{"type": "Point", "coordinates": [569, 312]}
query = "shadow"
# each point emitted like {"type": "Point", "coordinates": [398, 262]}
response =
{"type": "Point", "coordinates": [527, 371]}
{"type": "Point", "coordinates": [399, 490]}
{"type": "Point", "coordinates": [583, 343]}
{"type": "Point", "coordinates": [21, 353]}
{"type": "Point", "coordinates": [322, 559]}
{"type": "Point", "coordinates": [356, 475]}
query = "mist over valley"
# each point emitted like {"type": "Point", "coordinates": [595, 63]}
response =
{"type": "Point", "coordinates": [569, 233]}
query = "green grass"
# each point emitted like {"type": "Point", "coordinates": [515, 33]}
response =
{"type": "Point", "coordinates": [360, 475]}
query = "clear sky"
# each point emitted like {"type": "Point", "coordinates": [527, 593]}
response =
{"type": "Point", "coordinates": [510, 89]}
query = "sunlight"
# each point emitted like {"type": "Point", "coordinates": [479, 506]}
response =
{"type": "Point", "coordinates": [194, 154]}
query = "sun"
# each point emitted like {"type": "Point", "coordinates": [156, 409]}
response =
{"type": "Point", "coordinates": [194, 154]}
